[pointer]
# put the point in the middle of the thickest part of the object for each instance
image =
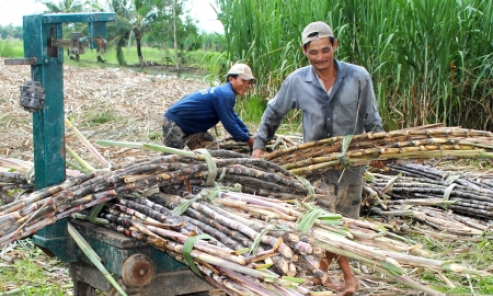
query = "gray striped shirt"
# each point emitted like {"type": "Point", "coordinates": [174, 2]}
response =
{"type": "Point", "coordinates": [350, 108]}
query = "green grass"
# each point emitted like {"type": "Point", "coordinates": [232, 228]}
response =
{"type": "Point", "coordinates": [34, 273]}
{"type": "Point", "coordinates": [250, 108]}
{"type": "Point", "coordinates": [198, 59]}
{"type": "Point", "coordinates": [11, 48]}
{"type": "Point", "coordinates": [477, 254]}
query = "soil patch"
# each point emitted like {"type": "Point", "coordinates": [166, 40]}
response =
{"type": "Point", "coordinates": [103, 103]}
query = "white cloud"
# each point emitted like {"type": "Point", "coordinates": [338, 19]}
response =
{"type": "Point", "coordinates": [12, 11]}
{"type": "Point", "coordinates": [202, 11]}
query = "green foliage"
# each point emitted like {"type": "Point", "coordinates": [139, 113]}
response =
{"type": "Point", "coordinates": [430, 60]}
{"type": "Point", "coordinates": [251, 108]}
{"type": "Point", "coordinates": [151, 22]}
{"type": "Point", "coordinates": [477, 253]}
{"type": "Point", "coordinates": [63, 6]}
{"type": "Point", "coordinates": [213, 42]}
{"type": "Point", "coordinates": [11, 32]}
{"type": "Point", "coordinates": [6, 49]}
{"type": "Point", "coordinates": [11, 49]}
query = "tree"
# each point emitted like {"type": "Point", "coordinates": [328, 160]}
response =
{"type": "Point", "coordinates": [175, 38]}
{"type": "Point", "coordinates": [145, 14]}
{"type": "Point", "coordinates": [65, 6]}
{"type": "Point", "coordinates": [134, 19]}
{"type": "Point", "coordinates": [120, 29]}
{"type": "Point", "coordinates": [170, 20]}
{"type": "Point", "coordinates": [9, 31]}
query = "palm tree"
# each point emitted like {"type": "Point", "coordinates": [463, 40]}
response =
{"type": "Point", "coordinates": [145, 14]}
{"type": "Point", "coordinates": [121, 29]}
{"type": "Point", "coordinates": [65, 6]}
{"type": "Point", "coordinates": [133, 21]}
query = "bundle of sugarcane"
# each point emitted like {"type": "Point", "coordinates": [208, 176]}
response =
{"type": "Point", "coordinates": [409, 184]}
{"type": "Point", "coordinates": [17, 177]}
{"type": "Point", "coordinates": [23, 217]}
{"type": "Point", "coordinates": [13, 179]}
{"type": "Point", "coordinates": [11, 182]}
{"type": "Point", "coordinates": [420, 142]}
{"type": "Point", "coordinates": [277, 142]}
{"type": "Point", "coordinates": [450, 225]}
{"type": "Point", "coordinates": [263, 245]}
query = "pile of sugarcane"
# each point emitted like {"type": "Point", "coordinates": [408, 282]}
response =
{"type": "Point", "coordinates": [409, 184]}
{"type": "Point", "coordinates": [276, 143]}
{"type": "Point", "coordinates": [283, 252]}
{"type": "Point", "coordinates": [413, 143]}
{"type": "Point", "coordinates": [23, 217]}
{"type": "Point", "coordinates": [284, 241]}
{"type": "Point", "coordinates": [264, 246]}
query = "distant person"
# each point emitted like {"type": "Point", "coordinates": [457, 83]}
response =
{"type": "Point", "coordinates": [187, 122]}
{"type": "Point", "coordinates": [337, 99]}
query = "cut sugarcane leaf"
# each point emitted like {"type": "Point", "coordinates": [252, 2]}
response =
{"type": "Point", "coordinates": [241, 251]}
{"type": "Point", "coordinates": [263, 266]}
{"type": "Point", "coordinates": [187, 251]}
{"type": "Point", "coordinates": [395, 270]}
{"type": "Point", "coordinates": [294, 280]}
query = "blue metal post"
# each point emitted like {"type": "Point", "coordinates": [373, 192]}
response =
{"type": "Point", "coordinates": [48, 124]}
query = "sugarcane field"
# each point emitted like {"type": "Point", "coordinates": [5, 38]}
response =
{"type": "Point", "coordinates": [141, 154]}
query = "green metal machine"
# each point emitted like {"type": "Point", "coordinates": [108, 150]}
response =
{"type": "Point", "coordinates": [141, 269]}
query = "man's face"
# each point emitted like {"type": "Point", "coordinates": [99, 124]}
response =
{"type": "Point", "coordinates": [240, 86]}
{"type": "Point", "coordinates": [320, 53]}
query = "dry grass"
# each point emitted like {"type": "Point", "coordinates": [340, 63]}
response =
{"type": "Point", "coordinates": [112, 104]}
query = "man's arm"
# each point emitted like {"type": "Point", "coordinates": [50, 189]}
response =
{"type": "Point", "coordinates": [250, 142]}
{"type": "Point", "coordinates": [283, 102]}
{"type": "Point", "coordinates": [225, 110]}
{"type": "Point", "coordinates": [373, 122]}
{"type": "Point", "coordinates": [242, 125]}
{"type": "Point", "coordinates": [258, 153]}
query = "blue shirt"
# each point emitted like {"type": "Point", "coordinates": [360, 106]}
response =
{"type": "Point", "coordinates": [350, 109]}
{"type": "Point", "coordinates": [201, 110]}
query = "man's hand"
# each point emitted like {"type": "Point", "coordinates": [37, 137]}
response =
{"type": "Point", "coordinates": [250, 142]}
{"type": "Point", "coordinates": [257, 153]}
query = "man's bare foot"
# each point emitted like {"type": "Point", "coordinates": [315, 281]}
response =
{"type": "Point", "coordinates": [350, 287]}
{"type": "Point", "coordinates": [333, 284]}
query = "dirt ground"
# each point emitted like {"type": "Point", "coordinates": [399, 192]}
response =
{"type": "Point", "coordinates": [104, 104]}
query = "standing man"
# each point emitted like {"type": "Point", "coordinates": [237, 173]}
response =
{"type": "Point", "coordinates": [337, 99]}
{"type": "Point", "coordinates": [186, 123]}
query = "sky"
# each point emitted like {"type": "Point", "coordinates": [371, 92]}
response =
{"type": "Point", "coordinates": [11, 12]}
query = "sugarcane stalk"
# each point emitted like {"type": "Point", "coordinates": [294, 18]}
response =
{"type": "Point", "coordinates": [92, 256]}
{"type": "Point", "coordinates": [86, 143]}
{"type": "Point", "coordinates": [15, 164]}
{"type": "Point", "coordinates": [46, 192]}
{"type": "Point", "coordinates": [199, 245]}
{"type": "Point", "coordinates": [79, 159]}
